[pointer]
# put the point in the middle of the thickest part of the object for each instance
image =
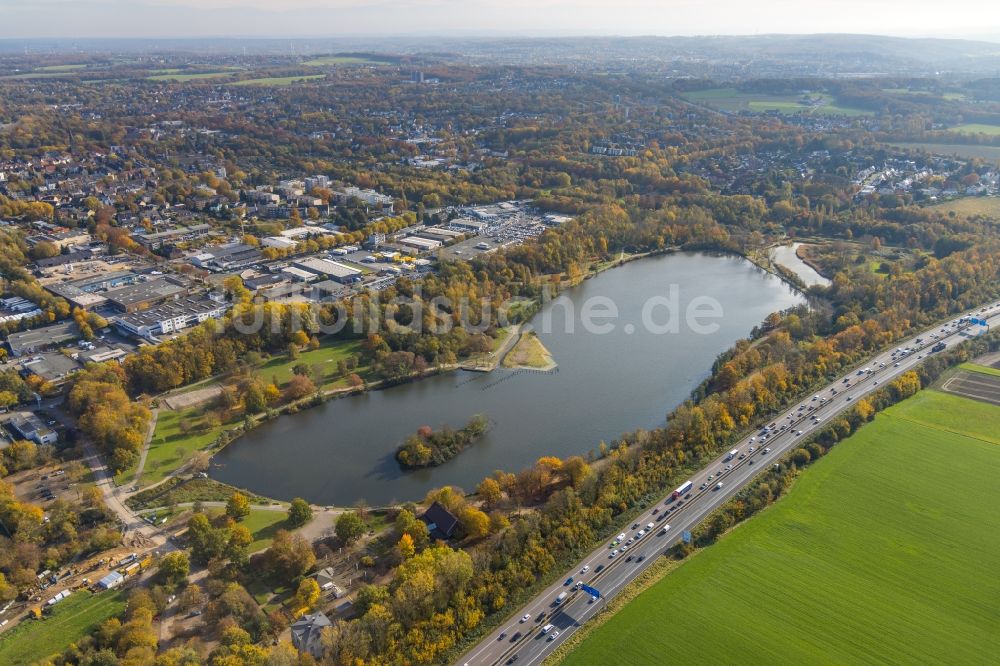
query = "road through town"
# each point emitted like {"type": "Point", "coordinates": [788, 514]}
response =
{"type": "Point", "coordinates": [608, 570]}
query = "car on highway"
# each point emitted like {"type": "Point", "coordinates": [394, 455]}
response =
{"type": "Point", "coordinates": [512, 659]}
{"type": "Point", "coordinates": [599, 569]}
{"type": "Point", "coordinates": [547, 628]}
{"type": "Point", "coordinates": [525, 617]}
{"type": "Point", "coordinates": [517, 635]}
{"type": "Point", "coordinates": [503, 635]}
{"type": "Point", "coordinates": [702, 486]}
{"type": "Point", "coordinates": [628, 559]}
{"type": "Point", "coordinates": [718, 486]}
{"type": "Point", "coordinates": [585, 569]}
{"type": "Point", "coordinates": [613, 553]}
{"type": "Point", "coordinates": [554, 635]}
{"type": "Point", "coordinates": [569, 581]}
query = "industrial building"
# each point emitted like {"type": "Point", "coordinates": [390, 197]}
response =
{"type": "Point", "coordinates": [420, 244]}
{"type": "Point", "coordinates": [329, 269]}
{"type": "Point", "coordinates": [227, 257]}
{"type": "Point", "coordinates": [143, 295]}
{"type": "Point", "coordinates": [30, 427]}
{"type": "Point", "coordinates": [52, 367]}
{"type": "Point", "coordinates": [171, 316]}
{"type": "Point", "coordinates": [28, 342]}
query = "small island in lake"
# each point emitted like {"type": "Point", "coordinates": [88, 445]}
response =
{"type": "Point", "coordinates": [428, 448]}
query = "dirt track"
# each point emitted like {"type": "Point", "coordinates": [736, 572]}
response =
{"type": "Point", "coordinates": [974, 385]}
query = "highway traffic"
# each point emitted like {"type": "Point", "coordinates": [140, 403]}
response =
{"type": "Point", "coordinates": [531, 633]}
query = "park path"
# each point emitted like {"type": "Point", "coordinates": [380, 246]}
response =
{"type": "Point", "coordinates": [145, 447]}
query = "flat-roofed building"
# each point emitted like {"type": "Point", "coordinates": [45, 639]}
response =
{"type": "Point", "coordinates": [440, 233]}
{"type": "Point", "coordinates": [468, 225]}
{"type": "Point", "coordinates": [279, 242]}
{"type": "Point", "coordinates": [331, 269]}
{"type": "Point", "coordinates": [171, 316]}
{"type": "Point", "coordinates": [421, 244]}
{"type": "Point", "coordinates": [52, 367]}
{"type": "Point", "coordinates": [30, 427]}
{"type": "Point", "coordinates": [143, 295]}
{"type": "Point", "coordinates": [28, 342]}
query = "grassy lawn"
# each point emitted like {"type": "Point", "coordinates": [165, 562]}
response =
{"type": "Point", "coordinates": [170, 447]}
{"type": "Point", "coordinates": [71, 619]}
{"type": "Point", "coordinates": [529, 352]}
{"type": "Point", "coordinates": [976, 128]}
{"type": "Point", "coordinates": [982, 369]}
{"type": "Point", "coordinates": [262, 524]}
{"type": "Point", "coordinates": [325, 357]}
{"type": "Point", "coordinates": [879, 554]}
{"type": "Point", "coordinates": [269, 599]}
{"type": "Point", "coordinates": [989, 206]}
{"type": "Point", "coordinates": [179, 491]}
{"type": "Point", "coordinates": [279, 80]}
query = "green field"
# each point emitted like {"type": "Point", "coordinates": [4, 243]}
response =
{"type": "Point", "coordinates": [71, 619]}
{"type": "Point", "coordinates": [989, 206]}
{"type": "Point", "coordinates": [958, 149]}
{"type": "Point", "coordinates": [733, 100]}
{"type": "Point", "coordinates": [34, 75]}
{"type": "Point", "coordinates": [880, 553]}
{"type": "Point", "coordinates": [323, 61]}
{"type": "Point", "coordinates": [949, 96]}
{"type": "Point", "coordinates": [279, 80]}
{"type": "Point", "coordinates": [976, 128]}
{"type": "Point", "coordinates": [982, 369]}
{"type": "Point", "coordinates": [170, 447]}
{"type": "Point", "coordinates": [59, 68]}
{"type": "Point", "coordinates": [196, 76]}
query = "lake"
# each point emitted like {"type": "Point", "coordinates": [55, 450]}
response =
{"type": "Point", "coordinates": [607, 383]}
{"type": "Point", "coordinates": [787, 256]}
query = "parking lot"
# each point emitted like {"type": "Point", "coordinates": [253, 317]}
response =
{"type": "Point", "coordinates": [468, 249]}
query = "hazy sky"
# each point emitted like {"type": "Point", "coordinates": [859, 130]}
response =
{"type": "Point", "coordinates": [191, 18]}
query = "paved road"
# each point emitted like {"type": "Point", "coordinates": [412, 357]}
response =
{"type": "Point", "coordinates": [686, 512]}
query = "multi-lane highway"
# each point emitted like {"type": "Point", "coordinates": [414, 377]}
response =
{"type": "Point", "coordinates": [527, 637]}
